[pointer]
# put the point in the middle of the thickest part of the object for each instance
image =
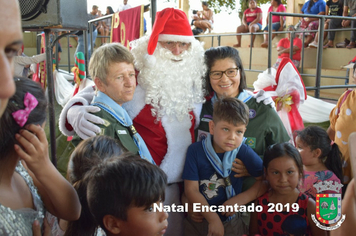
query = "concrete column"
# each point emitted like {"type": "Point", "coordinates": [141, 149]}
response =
{"type": "Point", "coordinates": [184, 6]}
{"type": "Point", "coordinates": [294, 7]}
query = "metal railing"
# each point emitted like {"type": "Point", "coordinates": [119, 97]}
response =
{"type": "Point", "coordinates": [318, 75]}
{"type": "Point", "coordinates": [319, 56]}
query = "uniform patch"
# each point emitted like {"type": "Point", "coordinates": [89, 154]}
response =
{"type": "Point", "coordinates": [202, 135]}
{"type": "Point", "coordinates": [121, 132]}
{"type": "Point", "coordinates": [205, 119]}
{"type": "Point", "coordinates": [251, 142]}
{"type": "Point", "coordinates": [252, 114]}
{"type": "Point", "coordinates": [106, 123]}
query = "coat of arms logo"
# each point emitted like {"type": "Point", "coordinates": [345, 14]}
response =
{"type": "Point", "coordinates": [328, 206]}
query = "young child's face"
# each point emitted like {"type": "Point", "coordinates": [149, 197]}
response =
{"type": "Point", "coordinates": [283, 174]}
{"type": "Point", "coordinates": [143, 221]}
{"type": "Point", "coordinates": [308, 156]}
{"type": "Point", "coordinates": [226, 136]}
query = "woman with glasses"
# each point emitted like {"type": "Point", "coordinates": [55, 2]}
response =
{"type": "Point", "coordinates": [226, 78]}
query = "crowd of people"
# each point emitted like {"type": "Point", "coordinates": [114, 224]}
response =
{"type": "Point", "coordinates": [181, 130]}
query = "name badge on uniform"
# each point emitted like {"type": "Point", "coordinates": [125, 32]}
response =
{"type": "Point", "coordinates": [121, 132]}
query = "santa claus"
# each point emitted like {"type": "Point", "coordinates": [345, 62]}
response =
{"type": "Point", "coordinates": [167, 99]}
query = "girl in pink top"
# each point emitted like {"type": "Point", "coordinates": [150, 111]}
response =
{"type": "Point", "coordinates": [251, 22]}
{"type": "Point", "coordinates": [321, 159]}
{"type": "Point", "coordinates": [277, 21]}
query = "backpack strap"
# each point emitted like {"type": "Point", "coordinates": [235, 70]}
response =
{"type": "Point", "coordinates": [343, 100]}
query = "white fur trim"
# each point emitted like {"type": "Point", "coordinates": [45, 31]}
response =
{"type": "Point", "coordinates": [197, 110]}
{"type": "Point", "coordinates": [176, 38]}
{"type": "Point", "coordinates": [178, 140]}
{"type": "Point", "coordinates": [150, 60]}
{"type": "Point", "coordinates": [137, 103]}
{"type": "Point", "coordinates": [84, 97]}
{"type": "Point", "coordinates": [177, 133]}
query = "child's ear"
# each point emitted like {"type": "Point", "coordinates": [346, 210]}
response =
{"type": "Point", "coordinates": [317, 152]}
{"type": "Point", "coordinates": [112, 224]}
{"type": "Point", "coordinates": [211, 127]}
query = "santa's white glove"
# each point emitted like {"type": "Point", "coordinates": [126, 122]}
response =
{"type": "Point", "coordinates": [84, 122]}
{"type": "Point", "coordinates": [265, 97]}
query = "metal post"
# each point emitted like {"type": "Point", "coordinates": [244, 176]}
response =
{"type": "Point", "coordinates": [85, 37]}
{"type": "Point", "coordinates": [319, 57]}
{"type": "Point", "coordinates": [292, 36]}
{"type": "Point", "coordinates": [56, 48]}
{"type": "Point", "coordinates": [68, 49]}
{"type": "Point", "coordinates": [251, 42]}
{"type": "Point", "coordinates": [50, 86]}
{"type": "Point", "coordinates": [91, 40]}
{"type": "Point", "coordinates": [153, 11]}
{"type": "Point", "coordinates": [269, 42]}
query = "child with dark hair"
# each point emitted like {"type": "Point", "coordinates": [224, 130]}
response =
{"type": "Point", "coordinates": [321, 159]}
{"type": "Point", "coordinates": [283, 169]}
{"type": "Point", "coordinates": [122, 194]}
{"type": "Point", "coordinates": [208, 176]}
{"type": "Point", "coordinates": [86, 155]}
{"type": "Point", "coordinates": [29, 182]}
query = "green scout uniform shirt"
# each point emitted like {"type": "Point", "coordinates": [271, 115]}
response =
{"type": "Point", "coordinates": [114, 129]}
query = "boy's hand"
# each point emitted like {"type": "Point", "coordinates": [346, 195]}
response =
{"type": "Point", "coordinates": [229, 202]}
{"type": "Point", "coordinates": [239, 168]}
{"type": "Point", "coordinates": [216, 228]}
{"type": "Point", "coordinates": [33, 147]}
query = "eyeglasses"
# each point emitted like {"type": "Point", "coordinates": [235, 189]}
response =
{"type": "Point", "coordinates": [216, 75]}
{"type": "Point", "coordinates": [170, 45]}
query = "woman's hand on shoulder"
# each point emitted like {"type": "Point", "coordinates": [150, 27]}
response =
{"type": "Point", "coordinates": [33, 147]}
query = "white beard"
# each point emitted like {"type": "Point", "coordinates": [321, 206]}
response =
{"type": "Point", "coordinates": [173, 84]}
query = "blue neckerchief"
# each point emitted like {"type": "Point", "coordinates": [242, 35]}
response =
{"type": "Point", "coordinates": [115, 110]}
{"type": "Point", "coordinates": [223, 167]}
{"type": "Point", "coordinates": [244, 96]}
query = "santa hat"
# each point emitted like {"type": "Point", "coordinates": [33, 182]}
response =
{"type": "Point", "coordinates": [170, 25]}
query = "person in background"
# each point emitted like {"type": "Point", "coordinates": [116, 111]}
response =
{"type": "Point", "coordinates": [251, 22]}
{"type": "Point", "coordinates": [277, 21]}
{"type": "Point", "coordinates": [123, 6]}
{"type": "Point", "coordinates": [333, 8]}
{"type": "Point", "coordinates": [106, 24]}
{"type": "Point", "coordinates": [342, 124]}
{"type": "Point", "coordinates": [204, 19]}
{"type": "Point", "coordinates": [283, 48]}
{"type": "Point", "coordinates": [350, 5]}
{"type": "Point", "coordinates": [21, 62]}
{"type": "Point", "coordinates": [81, 46]}
{"type": "Point", "coordinates": [314, 7]}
